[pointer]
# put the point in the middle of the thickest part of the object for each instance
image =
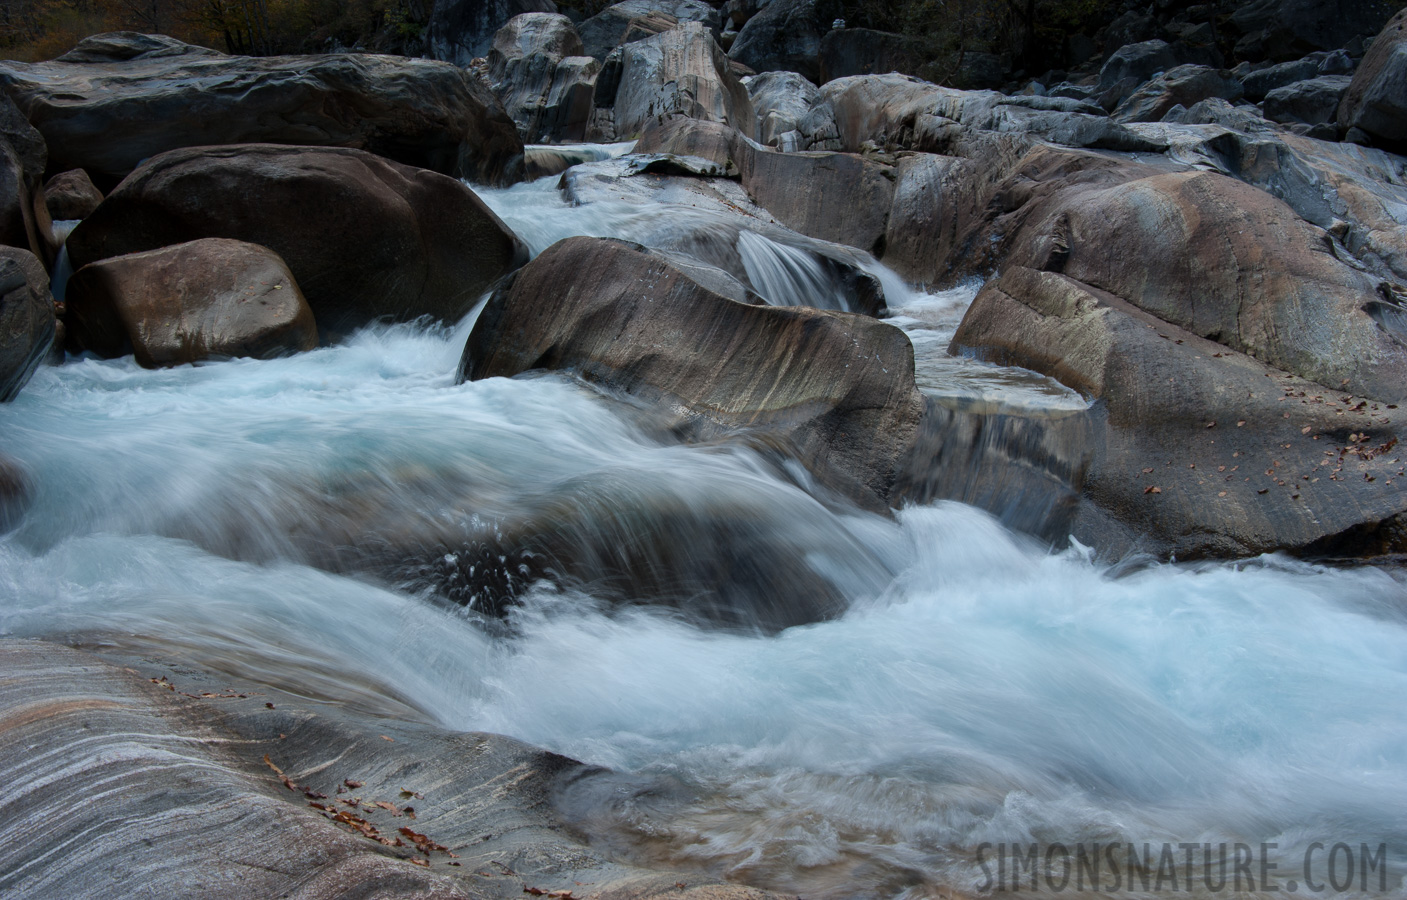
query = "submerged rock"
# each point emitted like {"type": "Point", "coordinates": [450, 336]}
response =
{"type": "Point", "coordinates": [364, 237]}
{"type": "Point", "coordinates": [26, 319]}
{"type": "Point", "coordinates": [833, 390]}
{"type": "Point", "coordinates": [207, 298]}
{"type": "Point", "coordinates": [116, 100]}
{"type": "Point", "coordinates": [1198, 450]}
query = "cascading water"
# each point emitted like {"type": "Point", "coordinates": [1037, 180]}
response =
{"type": "Point", "coordinates": [967, 688]}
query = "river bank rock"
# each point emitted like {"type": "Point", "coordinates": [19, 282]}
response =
{"type": "Point", "coordinates": [24, 219]}
{"type": "Point", "coordinates": [784, 35]}
{"type": "Point", "coordinates": [1179, 86]}
{"type": "Point", "coordinates": [791, 113]}
{"type": "Point", "coordinates": [71, 195]}
{"type": "Point", "coordinates": [1199, 450]}
{"type": "Point", "coordinates": [26, 319]}
{"type": "Point", "coordinates": [116, 100]}
{"type": "Point", "coordinates": [834, 390]}
{"type": "Point", "coordinates": [1374, 109]}
{"type": "Point", "coordinates": [608, 29]}
{"type": "Point", "coordinates": [1312, 102]}
{"type": "Point", "coordinates": [159, 777]}
{"type": "Point", "coordinates": [364, 237]}
{"type": "Point", "coordinates": [212, 297]}
{"type": "Point", "coordinates": [541, 76]}
{"type": "Point", "coordinates": [460, 31]}
{"type": "Point", "coordinates": [679, 71]}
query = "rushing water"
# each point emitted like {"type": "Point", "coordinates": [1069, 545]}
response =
{"type": "Point", "coordinates": [976, 689]}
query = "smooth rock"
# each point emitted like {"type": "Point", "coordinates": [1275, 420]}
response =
{"type": "Point", "coordinates": [1183, 85]}
{"type": "Point", "coordinates": [16, 494]}
{"type": "Point", "coordinates": [71, 195]}
{"type": "Point", "coordinates": [837, 197]}
{"type": "Point", "coordinates": [207, 298]}
{"type": "Point", "coordinates": [1263, 81]}
{"type": "Point", "coordinates": [541, 77]}
{"type": "Point", "coordinates": [26, 319]}
{"type": "Point", "coordinates": [605, 31]}
{"type": "Point", "coordinates": [680, 71]}
{"type": "Point", "coordinates": [1374, 109]}
{"type": "Point", "coordinates": [1140, 61]}
{"type": "Point", "coordinates": [786, 102]}
{"type": "Point", "coordinates": [105, 116]}
{"type": "Point", "coordinates": [1244, 458]}
{"type": "Point", "coordinates": [460, 31]}
{"type": "Point", "coordinates": [364, 237]}
{"type": "Point", "coordinates": [1311, 102]}
{"type": "Point", "coordinates": [784, 35]}
{"type": "Point", "coordinates": [833, 390]}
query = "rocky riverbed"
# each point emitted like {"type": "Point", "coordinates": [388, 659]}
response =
{"type": "Point", "coordinates": [665, 454]}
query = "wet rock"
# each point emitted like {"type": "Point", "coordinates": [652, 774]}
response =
{"type": "Point", "coordinates": [605, 31]}
{"type": "Point", "coordinates": [806, 191]}
{"type": "Point", "coordinates": [833, 390]}
{"type": "Point", "coordinates": [460, 31]}
{"type": "Point", "coordinates": [1311, 102]}
{"type": "Point", "coordinates": [784, 35]}
{"type": "Point", "coordinates": [16, 494]}
{"type": "Point", "coordinates": [106, 114]}
{"type": "Point", "coordinates": [26, 319]}
{"type": "Point", "coordinates": [207, 298]}
{"type": "Point", "coordinates": [205, 763]}
{"type": "Point", "coordinates": [680, 71]}
{"type": "Point", "coordinates": [389, 240]}
{"type": "Point", "coordinates": [71, 195]}
{"type": "Point", "coordinates": [1183, 85]}
{"type": "Point", "coordinates": [1198, 450]}
{"type": "Point", "coordinates": [24, 220]}
{"type": "Point", "coordinates": [539, 74]}
{"type": "Point", "coordinates": [1374, 110]}
{"type": "Point", "coordinates": [785, 102]}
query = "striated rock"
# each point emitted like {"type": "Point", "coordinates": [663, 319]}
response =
{"type": "Point", "coordinates": [26, 319]}
{"type": "Point", "coordinates": [1180, 86]}
{"type": "Point", "coordinates": [71, 195]}
{"type": "Point", "coordinates": [460, 31]}
{"type": "Point", "coordinates": [791, 113]}
{"type": "Point", "coordinates": [364, 237]}
{"type": "Point", "coordinates": [784, 35]}
{"type": "Point", "coordinates": [193, 785]}
{"type": "Point", "coordinates": [834, 390]}
{"type": "Point", "coordinates": [837, 197]}
{"type": "Point", "coordinates": [680, 71]}
{"type": "Point", "coordinates": [105, 112]}
{"type": "Point", "coordinates": [1312, 102]}
{"type": "Point", "coordinates": [24, 220]}
{"type": "Point", "coordinates": [541, 77]}
{"type": "Point", "coordinates": [212, 297]}
{"type": "Point", "coordinates": [1374, 110]}
{"type": "Point", "coordinates": [1198, 450]}
{"type": "Point", "coordinates": [606, 30]}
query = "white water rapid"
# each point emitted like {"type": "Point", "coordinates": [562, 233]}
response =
{"type": "Point", "coordinates": [977, 690]}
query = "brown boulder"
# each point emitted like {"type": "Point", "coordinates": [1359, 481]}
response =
{"type": "Point", "coordinates": [364, 237]}
{"type": "Point", "coordinates": [834, 390]}
{"type": "Point", "coordinates": [26, 319]}
{"type": "Point", "coordinates": [1198, 450]}
{"type": "Point", "coordinates": [116, 100]}
{"type": "Point", "coordinates": [207, 298]}
{"type": "Point", "coordinates": [24, 220]}
{"type": "Point", "coordinates": [71, 195]}
{"type": "Point", "coordinates": [16, 494]}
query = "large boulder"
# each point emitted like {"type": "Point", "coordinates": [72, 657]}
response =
{"type": "Point", "coordinates": [1180, 86]}
{"type": "Point", "coordinates": [71, 195]}
{"type": "Point", "coordinates": [543, 79]}
{"type": "Point", "coordinates": [364, 237]}
{"type": "Point", "coordinates": [115, 101]}
{"type": "Point", "coordinates": [791, 112]}
{"type": "Point", "coordinates": [16, 494]}
{"type": "Point", "coordinates": [834, 390]}
{"type": "Point", "coordinates": [1374, 110]}
{"type": "Point", "coordinates": [1286, 29]}
{"type": "Point", "coordinates": [606, 30]}
{"type": "Point", "coordinates": [211, 297]}
{"type": "Point", "coordinates": [1262, 81]}
{"type": "Point", "coordinates": [26, 319]}
{"type": "Point", "coordinates": [1198, 450]}
{"type": "Point", "coordinates": [1206, 252]}
{"type": "Point", "coordinates": [24, 220]}
{"type": "Point", "coordinates": [1311, 102]}
{"type": "Point", "coordinates": [1139, 62]}
{"type": "Point", "coordinates": [680, 71]}
{"type": "Point", "coordinates": [157, 777]}
{"type": "Point", "coordinates": [460, 31]}
{"type": "Point", "coordinates": [838, 197]}
{"type": "Point", "coordinates": [864, 51]}
{"type": "Point", "coordinates": [785, 35]}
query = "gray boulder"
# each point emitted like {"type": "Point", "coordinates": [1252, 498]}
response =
{"type": "Point", "coordinates": [1374, 109]}
{"type": "Point", "coordinates": [1287, 29]}
{"type": "Point", "coordinates": [1140, 61]}
{"type": "Point", "coordinates": [116, 100]}
{"type": "Point", "coordinates": [791, 112]}
{"type": "Point", "coordinates": [542, 78]}
{"type": "Point", "coordinates": [785, 35]}
{"type": "Point", "coordinates": [460, 31]}
{"type": "Point", "coordinates": [606, 30]}
{"type": "Point", "coordinates": [24, 219]}
{"type": "Point", "coordinates": [1181, 86]}
{"type": "Point", "coordinates": [1263, 81]}
{"type": "Point", "coordinates": [681, 71]}
{"type": "Point", "coordinates": [1312, 102]}
{"type": "Point", "coordinates": [26, 319]}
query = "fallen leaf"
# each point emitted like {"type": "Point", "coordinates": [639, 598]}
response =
{"type": "Point", "coordinates": [354, 784]}
{"type": "Point", "coordinates": [1152, 490]}
{"type": "Point", "coordinates": [406, 795]}
{"type": "Point", "coordinates": [385, 738]}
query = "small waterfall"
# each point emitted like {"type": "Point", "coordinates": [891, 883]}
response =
{"type": "Point", "coordinates": [786, 276]}
{"type": "Point", "coordinates": [63, 269]}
